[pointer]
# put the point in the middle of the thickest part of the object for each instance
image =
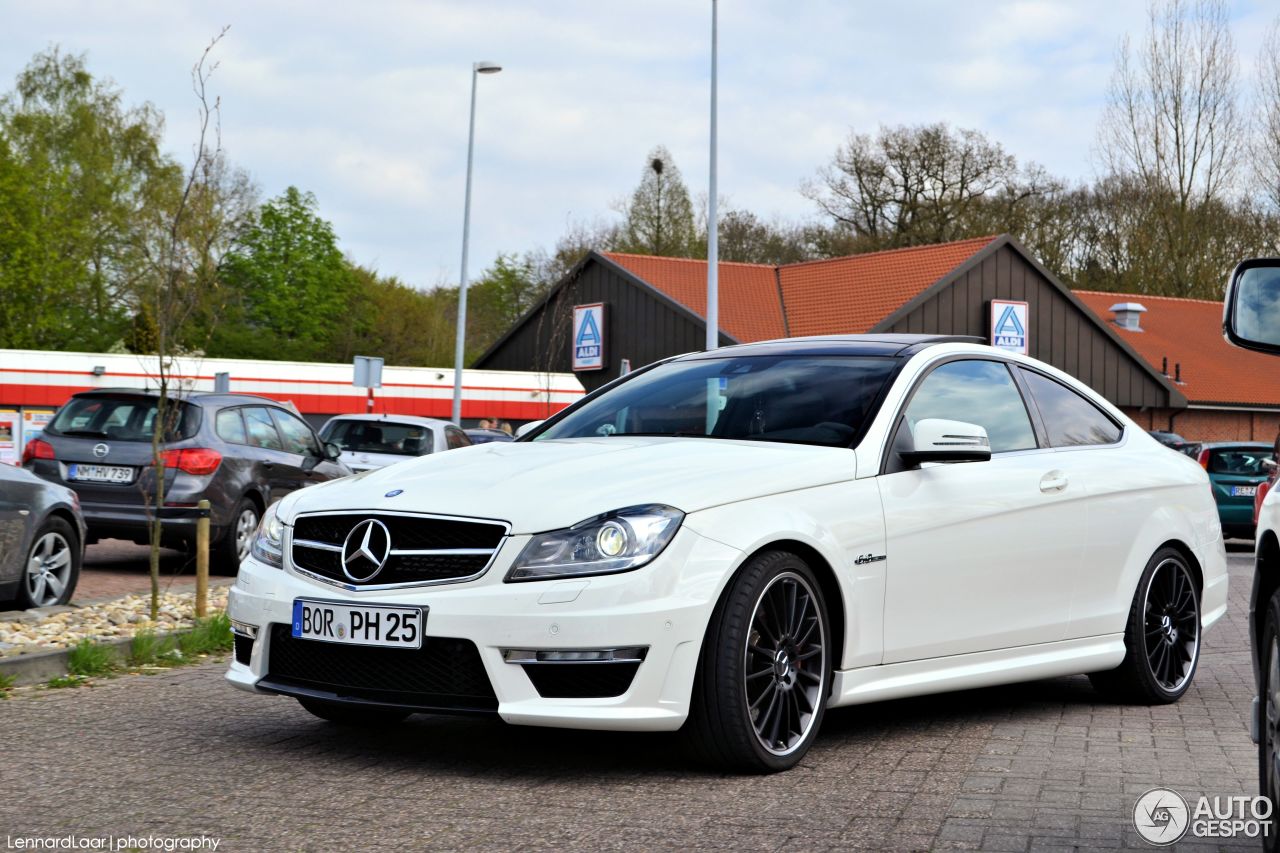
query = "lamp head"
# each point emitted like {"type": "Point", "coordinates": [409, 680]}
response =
{"type": "Point", "coordinates": [486, 67]}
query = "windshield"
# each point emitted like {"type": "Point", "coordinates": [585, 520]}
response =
{"type": "Point", "coordinates": [124, 418]}
{"type": "Point", "coordinates": [379, 437]}
{"type": "Point", "coordinates": [1246, 461]}
{"type": "Point", "coordinates": [821, 400]}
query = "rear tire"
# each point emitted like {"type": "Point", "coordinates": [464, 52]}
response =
{"type": "Point", "coordinates": [228, 552]}
{"type": "Point", "coordinates": [1161, 637]}
{"type": "Point", "coordinates": [352, 715]}
{"type": "Point", "coordinates": [764, 675]}
{"type": "Point", "coordinates": [51, 568]}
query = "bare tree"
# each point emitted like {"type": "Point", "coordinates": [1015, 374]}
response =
{"type": "Point", "coordinates": [924, 184]}
{"type": "Point", "coordinates": [1173, 123]}
{"type": "Point", "coordinates": [1266, 158]}
{"type": "Point", "coordinates": [182, 265]}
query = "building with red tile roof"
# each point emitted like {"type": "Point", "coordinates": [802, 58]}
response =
{"type": "Point", "coordinates": [653, 307]}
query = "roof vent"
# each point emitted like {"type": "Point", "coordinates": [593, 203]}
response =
{"type": "Point", "coordinates": [1128, 314]}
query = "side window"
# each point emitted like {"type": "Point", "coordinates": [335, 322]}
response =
{"type": "Point", "coordinates": [297, 436]}
{"type": "Point", "coordinates": [455, 438]}
{"type": "Point", "coordinates": [976, 392]}
{"type": "Point", "coordinates": [230, 426]}
{"type": "Point", "coordinates": [262, 431]}
{"type": "Point", "coordinates": [1072, 421]}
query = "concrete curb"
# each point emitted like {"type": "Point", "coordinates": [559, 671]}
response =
{"type": "Point", "coordinates": [38, 667]}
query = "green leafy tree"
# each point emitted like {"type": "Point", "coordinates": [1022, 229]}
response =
{"type": "Point", "coordinates": [290, 287]}
{"type": "Point", "coordinates": [83, 183]}
{"type": "Point", "coordinates": [659, 217]}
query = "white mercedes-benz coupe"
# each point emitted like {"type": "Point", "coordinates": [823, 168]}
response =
{"type": "Point", "coordinates": [731, 542]}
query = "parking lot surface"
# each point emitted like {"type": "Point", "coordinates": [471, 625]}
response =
{"type": "Point", "coordinates": [1039, 766]}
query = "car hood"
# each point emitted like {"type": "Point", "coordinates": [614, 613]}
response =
{"type": "Point", "coordinates": [544, 485]}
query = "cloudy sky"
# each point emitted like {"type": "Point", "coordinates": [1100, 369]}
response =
{"type": "Point", "coordinates": [365, 104]}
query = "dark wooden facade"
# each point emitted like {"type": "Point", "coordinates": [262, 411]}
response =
{"type": "Point", "coordinates": [643, 324]}
{"type": "Point", "coordinates": [1063, 331]}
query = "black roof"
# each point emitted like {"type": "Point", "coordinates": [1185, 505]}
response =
{"type": "Point", "coordinates": [881, 345]}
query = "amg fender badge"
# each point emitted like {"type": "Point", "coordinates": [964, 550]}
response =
{"type": "Point", "coordinates": [868, 558]}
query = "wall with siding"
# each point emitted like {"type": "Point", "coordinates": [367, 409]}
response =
{"type": "Point", "coordinates": [1062, 333]}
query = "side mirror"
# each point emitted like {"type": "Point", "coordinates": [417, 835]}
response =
{"type": "Point", "coordinates": [1269, 464]}
{"type": "Point", "coordinates": [1251, 313]}
{"type": "Point", "coordinates": [939, 440]}
{"type": "Point", "coordinates": [332, 452]}
{"type": "Point", "coordinates": [521, 432]}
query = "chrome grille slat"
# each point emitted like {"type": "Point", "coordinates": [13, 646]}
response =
{"type": "Point", "coordinates": [424, 550]}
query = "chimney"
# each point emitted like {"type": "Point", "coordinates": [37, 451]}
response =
{"type": "Point", "coordinates": [1128, 315]}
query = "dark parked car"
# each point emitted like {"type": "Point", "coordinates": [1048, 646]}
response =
{"type": "Point", "coordinates": [1236, 470]}
{"type": "Point", "coordinates": [42, 538]}
{"type": "Point", "coordinates": [1176, 442]}
{"type": "Point", "coordinates": [240, 451]}
{"type": "Point", "coordinates": [481, 435]}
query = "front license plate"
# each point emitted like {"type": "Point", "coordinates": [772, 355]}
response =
{"type": "Point", "coordinates": [99, 473]}
{"type": "Point", "coordinates": [359, 624]}
{"type": "Point", "coordinates": [1243, 491]}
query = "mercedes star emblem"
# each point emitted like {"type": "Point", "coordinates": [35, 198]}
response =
{"type": "Point", "coordinates": [365, 550]}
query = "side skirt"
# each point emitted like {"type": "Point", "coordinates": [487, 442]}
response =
{"type": "Point", "coordinates": [978, 669]}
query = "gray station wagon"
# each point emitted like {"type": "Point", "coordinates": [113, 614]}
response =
{"type": "Point", "coordinates": [240, 451]}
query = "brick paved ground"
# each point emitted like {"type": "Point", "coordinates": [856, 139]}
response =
{"type": "Point", "coordinates": [113, 568]}
{"type": "Point", "coordinates": [1028, 767]}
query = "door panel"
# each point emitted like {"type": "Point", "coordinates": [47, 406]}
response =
{"type": "Point", "coordinates": [981, 556]}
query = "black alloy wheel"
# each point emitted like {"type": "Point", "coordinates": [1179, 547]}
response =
{"type": "Point", "coordinates": [1162, 635]}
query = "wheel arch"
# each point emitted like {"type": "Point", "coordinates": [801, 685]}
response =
{"type": "Point", "coordinates": [69, 517]}
{"type": "Point", "coordinates": [827, 581]}
{"type": "Point", "coordinates": [1266, 580]}
{"type": "Point", "coordinates": [1197, 571]}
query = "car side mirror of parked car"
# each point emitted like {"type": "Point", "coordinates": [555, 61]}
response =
{"type": "Point", "coordinates": [940, 440]}
{"type": "Point", "coordinates": [1269, 464]}
{"type": "Point", "coordinates": [527, 428]}
{"type": "Point", "coordinates": [1251, 313]}
{"type": "Point", "coordinates": [332, 452]}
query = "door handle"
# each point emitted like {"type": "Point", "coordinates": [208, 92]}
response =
{"type": "Point", "coordinates": [1054, 482]}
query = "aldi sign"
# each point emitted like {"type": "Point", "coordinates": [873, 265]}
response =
{"type": "Point", "coordinates": [1009, 326]}
{"type": "Point", "coordinates": [588, 337]}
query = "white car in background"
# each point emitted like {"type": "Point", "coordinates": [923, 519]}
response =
{"type": "Point", "coordinates": [376, 441]}
{"type": "Point", "coordinates": [730, 542]}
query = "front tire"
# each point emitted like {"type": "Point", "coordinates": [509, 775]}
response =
{"type": "Point", "coordinates": [352, 715]}
{"type": "Point", "coordinates": [1161, 638]}
{"type": "Point", "coordinates": [1269, 737]}
{"type": "Point", "coordinates": [51, 568]}
{"type": "Point", "coordinates": [765, 672]}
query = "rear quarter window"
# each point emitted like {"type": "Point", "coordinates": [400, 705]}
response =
{"type": "Point", "coordinates": [1071, 420]}
{"type": "Point", "coordinates": [230, 427]}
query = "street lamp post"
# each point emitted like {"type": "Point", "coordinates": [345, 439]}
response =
{"type": "Point", "coordinates": [713, 241]}
{"type": "Point", "coordinates": [477, 68]}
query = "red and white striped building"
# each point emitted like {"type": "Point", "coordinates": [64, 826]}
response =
{"type": "Point", "coordinates": [35, 382]}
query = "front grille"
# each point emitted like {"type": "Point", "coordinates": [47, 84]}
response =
{"type": "Point", "coordinates": [581, 680]}
{"type": "Point", "coordinates": [419, 547]}
{"type": "Point", "coordinates": [446, 674]}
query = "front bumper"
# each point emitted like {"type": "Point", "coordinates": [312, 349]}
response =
{"type": "Point", "coordinates": [663, 607]}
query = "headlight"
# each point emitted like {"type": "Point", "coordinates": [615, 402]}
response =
{"type": "Point", "coordinates": [617, 541]}
{"type": "Point", "coordinates": [268, 539]}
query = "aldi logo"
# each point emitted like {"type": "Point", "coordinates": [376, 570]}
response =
{"type": "Point", "coordinates": [588, 337]}
{"type": "Point", "coordinates": [1009, 326]}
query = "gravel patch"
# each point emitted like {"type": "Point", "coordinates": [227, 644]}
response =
{"type": "Point", "coordinates": [121, 617]}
